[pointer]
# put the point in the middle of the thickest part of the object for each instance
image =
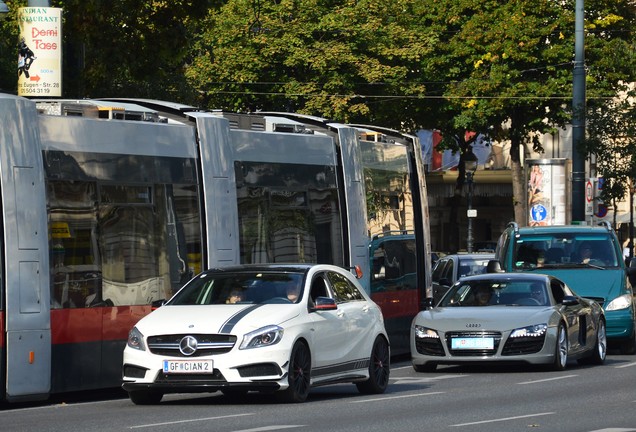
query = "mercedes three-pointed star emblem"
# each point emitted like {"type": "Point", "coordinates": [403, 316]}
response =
{"type": "Point", "coordinates": [188, 345]}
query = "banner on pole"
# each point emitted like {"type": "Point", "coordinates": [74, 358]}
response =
{"type": "Point", "coordinates": [40, 51]}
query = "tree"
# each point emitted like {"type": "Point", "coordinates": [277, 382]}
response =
{"type": "Point", "coordinates": [8, 50]}
{"type": "Point", "coordinates": [346, 60]}
{"type": "Point", "coordinates": [508, 68]}
{"type": "Point", "coordinates": [611, 139]}
{"type": "Point", "coordinates": [130, 48]}
{"type": "Point", "coordinates": [118, 48]}
{"type": "Point", "coordinates": [508, 73]}
{"type": "Point", "coordinates": [500, 69]}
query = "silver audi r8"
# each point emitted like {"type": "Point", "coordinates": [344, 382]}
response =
{"type": "Point", "coordinates": [505, 317]}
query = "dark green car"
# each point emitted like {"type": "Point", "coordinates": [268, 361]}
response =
{"type": "Point", "coordinates": [587, 258]}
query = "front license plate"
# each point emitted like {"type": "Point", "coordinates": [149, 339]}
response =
{"type": "Point", "coordinates": [188, 366]}
{"type": "Point", "coordinates": [472, 343]}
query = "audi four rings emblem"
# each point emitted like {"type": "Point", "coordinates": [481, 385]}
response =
{"type": "Point", "coordinates": [473, 325]}
{"type": "Point", "coordinates": [188, 345]}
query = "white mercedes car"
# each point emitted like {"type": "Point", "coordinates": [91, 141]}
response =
{"type": "Point", "coordinates": [267, 328]}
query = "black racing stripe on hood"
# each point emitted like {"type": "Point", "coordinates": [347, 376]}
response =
{"type": "Point", "coordinates": [234, 319]}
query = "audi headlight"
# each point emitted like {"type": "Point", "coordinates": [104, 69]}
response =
{"type": "Point", "coordinates": [536, 330]}
{"type": "Point", "coordinates": [622, 302]}
{"type": "Point", "coordinates": [425, 333]}
{"type": "Point", "coordinates": [136, 340]}
{"type": "Point", "coordinates": [266, 336]}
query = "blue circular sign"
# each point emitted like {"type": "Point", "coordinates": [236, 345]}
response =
{"type": "Point", "coordinates": [601, 211]}
{"type": "Point", "coordinates": [538, 213]}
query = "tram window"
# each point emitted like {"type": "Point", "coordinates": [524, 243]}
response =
{"type": "Point", "coordinates": [388, 191]}
{"type": "Point", "coordinates": [394, 265]}
{"type": "Point", "coordinates": [118, 249]}
{"type": "Point", "coordinates": [74, 253]}
{"type": "Point", "coordinates": [288, 213]}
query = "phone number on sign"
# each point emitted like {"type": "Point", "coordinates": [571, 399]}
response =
{"type": "Point", "coordinates": [36, 90]}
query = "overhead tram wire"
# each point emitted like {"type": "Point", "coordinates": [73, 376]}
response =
{"type": "Point", "coordinates": [402, 96]}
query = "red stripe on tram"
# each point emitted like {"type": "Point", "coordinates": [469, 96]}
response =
{"type": "Point", "coordinates": [94, 324]}
{"type": "Point", "coordinates": [2, 343]}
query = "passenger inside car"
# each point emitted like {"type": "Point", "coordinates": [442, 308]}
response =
{"type": "Point", "coordinates": [528, 254]}
{"type": "Point", "coordinates": [236, 296]}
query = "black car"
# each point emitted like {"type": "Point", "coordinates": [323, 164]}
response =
{"type": "Point", "coordinates": [450, 268]}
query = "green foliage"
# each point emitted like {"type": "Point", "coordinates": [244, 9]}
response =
{"type": "Point", "coordinates": [130, 48]}
{"type": "Point", "coordinates": [611, 120]}
{"type": "Point", "coordinates": [118, 48]}
{"type": "Point", "coordinates": [611, 139]}
{"type": "Point", "coordinates": [344, 60]}
{"type": "Point", "coordinates": [502, 69]}
{"type": "Point", "coordinates": [503, 62]}
{"type": "Point", "coordinates": [9, 36]}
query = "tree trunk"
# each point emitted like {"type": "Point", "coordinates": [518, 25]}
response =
{"type": "Point", "coordinates": [519, 189]}
{"type": "Point", "coordinates": [519, 193]}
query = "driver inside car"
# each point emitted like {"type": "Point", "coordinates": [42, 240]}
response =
{"type": "Point", "coordinates": [482, 296]}
{"type": "Point", "coordinates": [293, 290]}
{"type": "Point", "coordinates": [537, 292]}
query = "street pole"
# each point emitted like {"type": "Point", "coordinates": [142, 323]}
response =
{"type": "Point", "coordinates": [469, 199]}
{"type": "Point", "coordinates": [578, 116]}
{"type": "Point", "coordinates": [631, 219]}
{"type": "Point", "coordinates": [470, 162]}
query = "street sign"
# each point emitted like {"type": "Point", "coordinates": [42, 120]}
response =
{"type": "Point", "coordinates": [40, 51]}
{"type": "Point", "coordinates": [601, 211]}
{"type": "Point", "coordinates": [589, 197]}
{"type": "Point", "coordinates": [538, 213]}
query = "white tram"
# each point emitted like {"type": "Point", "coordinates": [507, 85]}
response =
{"type": "Point", "coordinates": [110, 205]}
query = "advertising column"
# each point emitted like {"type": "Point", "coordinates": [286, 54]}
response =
{"type": "Point", "coordinates": [547, 197]}
{"type": "Point", "coordinates": [40, 51]}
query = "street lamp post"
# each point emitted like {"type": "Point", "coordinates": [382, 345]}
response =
{"type": "Point", "coordinates": [630, 244]}
{"type": "Point", "coordinates": [632, 186]}
{"type": "Point", "coordinates": [470, 166]}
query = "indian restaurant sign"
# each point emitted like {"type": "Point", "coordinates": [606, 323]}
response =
{"type": "Point", "coordinates": [40, 51]}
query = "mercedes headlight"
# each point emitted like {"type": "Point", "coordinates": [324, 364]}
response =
{"type": "Point", "coordinates": [266, 336]}
{"type": "Point", "coordinates": [136, 340]}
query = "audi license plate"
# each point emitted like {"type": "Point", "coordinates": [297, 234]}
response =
{"type": "Point", "coordinates": [472, 343]}
{"type": "Point", "coordinates": [188, 366]}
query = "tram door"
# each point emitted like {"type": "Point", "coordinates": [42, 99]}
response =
{"type": "Point", "coordinates": [25, 299]}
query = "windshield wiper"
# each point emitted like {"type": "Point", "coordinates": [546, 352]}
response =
{"type": "Point", "coordinates": [592, 266]}
{"type": "Point", "coordinates": [562, 266]}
